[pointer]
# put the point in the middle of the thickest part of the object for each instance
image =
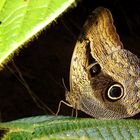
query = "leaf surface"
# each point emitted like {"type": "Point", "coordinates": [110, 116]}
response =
{"type": "Point", "coordinates": [20, 20]}
{"type": "Point", "coordinates": [60, 127]}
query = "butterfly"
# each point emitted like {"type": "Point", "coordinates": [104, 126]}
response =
{"type": "Point", "coordinates": [104, 77]}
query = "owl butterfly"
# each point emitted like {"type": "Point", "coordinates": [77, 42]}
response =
{"type": "Point", "coordinates": [104, 77]}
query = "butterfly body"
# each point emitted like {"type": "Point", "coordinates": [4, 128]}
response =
{"type": "Point", "coordinates": [104, 77]}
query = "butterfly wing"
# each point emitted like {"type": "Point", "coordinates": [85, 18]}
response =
{"type": "Point", "coordinates": [91, 89]}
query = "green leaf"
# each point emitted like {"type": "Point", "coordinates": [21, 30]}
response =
{"type": "Point", "coordinates": [20, 20]}
{"type": "Point", "coordinates": [59, 127]}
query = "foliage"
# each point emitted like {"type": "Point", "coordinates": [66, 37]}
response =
{"type": "Point", "coordinates": [60, 127]}
{"type": "Point", "coordinates": [21, 20]}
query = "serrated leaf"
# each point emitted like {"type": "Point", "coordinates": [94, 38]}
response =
{"type": "Point", "coordinates": [20, 20]}
{"type": "Point", "coordinates": [59, 127]}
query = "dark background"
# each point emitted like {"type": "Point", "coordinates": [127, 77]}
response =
{"type": "Point", "coordinates": [45, 60]}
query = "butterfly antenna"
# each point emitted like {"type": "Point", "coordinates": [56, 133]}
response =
{"type": "Point", "coordinates": [63, 82]}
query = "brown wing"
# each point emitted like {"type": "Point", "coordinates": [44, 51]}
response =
{"type": "Point", "coordinates": [113, 90]}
